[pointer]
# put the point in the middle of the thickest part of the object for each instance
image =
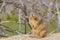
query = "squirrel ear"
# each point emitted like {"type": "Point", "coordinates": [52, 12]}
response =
{"type": "Point", "coordinates": [31, 14]}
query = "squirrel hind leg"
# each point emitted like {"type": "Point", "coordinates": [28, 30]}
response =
{"type": "Point", "coordinates": [43, 33]}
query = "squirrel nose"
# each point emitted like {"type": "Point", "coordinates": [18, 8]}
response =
{"type": "Point", "coordinates": [34, 27]}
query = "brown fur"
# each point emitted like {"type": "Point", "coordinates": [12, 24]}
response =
{"type": "Point", "coordinates": [38, 30]}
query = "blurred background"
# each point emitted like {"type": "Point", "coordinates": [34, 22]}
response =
{"type": "Point", "coordinates": [14, 15]}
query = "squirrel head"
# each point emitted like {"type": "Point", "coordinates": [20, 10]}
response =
{"type": "Point", "coordinates": [33, 17]}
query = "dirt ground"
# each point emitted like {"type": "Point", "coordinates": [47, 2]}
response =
{"type": "Point", "coordinates": [55, 36]}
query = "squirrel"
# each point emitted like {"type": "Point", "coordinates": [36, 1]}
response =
{"type": "Point", "coordinates": [38, 29]}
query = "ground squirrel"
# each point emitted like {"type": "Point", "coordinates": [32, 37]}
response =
{"type": "Point", "coordinates": [38, 30]}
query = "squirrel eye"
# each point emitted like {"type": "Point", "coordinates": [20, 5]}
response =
{"type": "Point", "coordinates": [35, 18]}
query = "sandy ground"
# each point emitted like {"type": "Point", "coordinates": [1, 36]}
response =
{"type": "Point", "coordinates": [55, 36]}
